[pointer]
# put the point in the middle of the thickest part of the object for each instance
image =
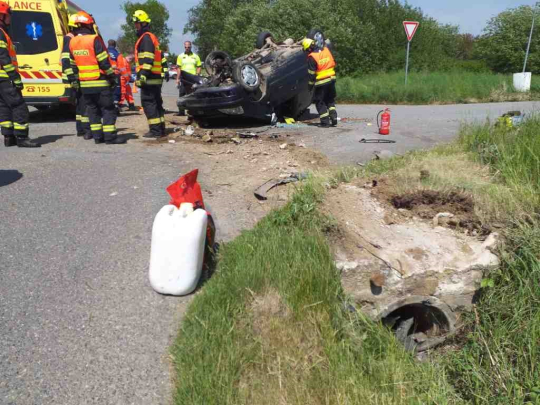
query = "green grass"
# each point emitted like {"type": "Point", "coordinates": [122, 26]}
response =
{"type": "Point", "coordinates": [432, 88]}
{"type": "Point", "coordinates": [500, 363]}
{"type": "Point", "coordinates": [270, 327]}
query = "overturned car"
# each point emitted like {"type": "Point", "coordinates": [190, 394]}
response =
{"type": "Point", "coordinates": [270, 82]}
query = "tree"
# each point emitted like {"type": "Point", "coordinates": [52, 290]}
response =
{"type": "Point", "coordinates": [367, 34]}
{"type": "Point", "coordinates": [504, 42]}
{"type": "Point", "coordinates": [159, 14]}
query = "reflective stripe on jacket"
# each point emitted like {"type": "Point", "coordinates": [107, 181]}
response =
{"type": "Point", "coordinates": [156, 57]}
{"type": "Point", "coordinates": [325, 66]}
{"type": "Point", "coordinates": [83, 51]}
{"type": "Point", "coordinates": [5, 70]}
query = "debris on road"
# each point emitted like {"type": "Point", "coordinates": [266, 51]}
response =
{"type": "Point", "coordinates": [364, 140]}
{"type": "Point", "coordinates": [261, 192]}
{"type": "Point", "coordinates": [283, 146]}
{"type": "Point", "coordinates": [207, 138]}
{"type": "Point", "coordinates": [189, 131]}
{"type": "Point", "coordinates": [247, 135]}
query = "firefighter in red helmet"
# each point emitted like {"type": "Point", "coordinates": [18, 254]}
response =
{"type": "Point", "coordinates": [14, 113]}
{"type": "Point", "coordinates": [95, 76]}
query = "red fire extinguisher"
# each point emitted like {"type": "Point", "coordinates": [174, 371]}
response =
{"type": "Point", "coordinates": [384, 123]}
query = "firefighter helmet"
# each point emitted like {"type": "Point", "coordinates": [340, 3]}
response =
{"type": "Point", "coordinates": [82, 17]}
{"type": "Point", "coordinates": [4, 8]}
{"type": "Point", "coordinates": [72, 21]}
{"type": "Point", "coordinates": [141, 17]}
{"type": "Point", "coordinates": [307, 43]}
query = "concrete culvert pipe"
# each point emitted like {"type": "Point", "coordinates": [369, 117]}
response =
{"type": "Point", "coordinates": [419, 323]}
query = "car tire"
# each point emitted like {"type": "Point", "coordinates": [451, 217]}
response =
{"type": "Point", "coordinates": [318, 36]}
{"type": "Point", "coordinates": [209, 63]}
{"type": "Point", "coordinates": [261, 39]}
{"type": "Point", "coordinates": [247, 76]}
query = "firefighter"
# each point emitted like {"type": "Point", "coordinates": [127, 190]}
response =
{"type": "Point", "coordinates": [96, 80]}
{"type": "Point", "coordinates": [14, 113]}
{"type": "Point", "coordinates": [124, 68]}
{"type": "Point", "coordinates": [149, 65]}
{"type": "Point", "coordinates": [322, 75]}
{"type": "Point", "coordinates": [188, 62]}
{"type": "Point", "coordinates": [68, 77]}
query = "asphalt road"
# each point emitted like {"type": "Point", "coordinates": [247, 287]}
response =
{"type": "Point", "coordinates": [79, 323]}
{"type": "Point", "coordinates": [412, 128]}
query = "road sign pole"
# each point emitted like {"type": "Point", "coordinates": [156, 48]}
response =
{"type": "Point", "coordinates": [407, 63]}
{"type": "Point", "coordinates": [410, 30]}
{"type": "Point", "coordinates": [530, 39]}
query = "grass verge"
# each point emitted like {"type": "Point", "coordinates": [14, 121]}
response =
{"type": "Point", "coordinates": [272, 327]}
{"type": "Point", "coordinates": [432, 88]}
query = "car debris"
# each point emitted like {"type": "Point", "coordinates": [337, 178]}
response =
{"type": "Point", "coordinates": [375, 140]}
{"type": "Point", "coordinates": [261, 192]}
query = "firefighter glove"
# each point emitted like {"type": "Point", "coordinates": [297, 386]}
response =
{"type": "Point", "coordinates": [167, 77]}
{"type": "Point", "coordinates": [113, 80]}
{"type": "Point", "coordinates": [75, 85]}
{"type": "Point", "coordinates": [141, 81]}
{"type": "Point", "coordinates": [18, 84]}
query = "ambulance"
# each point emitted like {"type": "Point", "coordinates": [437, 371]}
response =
{"type": "Point", "coordinates": [37, 29]}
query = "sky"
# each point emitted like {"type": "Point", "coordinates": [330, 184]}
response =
{"type": "Point", "coordinates": [470, 16]}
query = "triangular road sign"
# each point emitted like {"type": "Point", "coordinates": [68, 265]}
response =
{"type": "Point", "coordinates": [410, 28]}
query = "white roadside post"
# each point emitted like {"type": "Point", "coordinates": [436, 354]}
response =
{"type": "Point", "coordinates": [410, 30]}
{"type": "Point", "coordinates": [522, 81]}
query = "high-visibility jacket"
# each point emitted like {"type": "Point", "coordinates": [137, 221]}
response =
{"type": "Point", "coordinates": [189, 63]}
{"type": "Point", "coordinates": [9, 70]}
{"type": "Point", "coordinates": [83, 50]}
{"type": "Point", "coordinates": [325, 71]}
{"type": "Point", "coordinates": [122, 66]}
{"type": "Point", "coordinates": [149, 63]}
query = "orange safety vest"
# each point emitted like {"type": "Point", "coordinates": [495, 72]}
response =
{"type": "Point", "coordinates": [83, 51]}
{"type": "Point", "coordinates": [325, 66]}
{"type": "Point", "coordinates": [13, 55]}
{"type": "Point", "coordinates": [157, 65]}
{"type": "Point", "coordinates": [123, 66]}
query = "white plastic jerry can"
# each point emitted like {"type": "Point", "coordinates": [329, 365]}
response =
{"type": "Point", "coordinates": [176, 258]}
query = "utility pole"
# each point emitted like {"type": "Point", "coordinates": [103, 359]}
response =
{"type": "Point", "coordinates": [530, 37]}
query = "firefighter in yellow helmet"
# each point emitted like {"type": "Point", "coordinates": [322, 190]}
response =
{"type": "Point", "coordinates": [322, 75]}
{"type": "Point", "coordinates": [151, 69]}
{"type": "Point", "coordinates": [69, 77]}
{"type": "Point", "coordinates": [14, 113]}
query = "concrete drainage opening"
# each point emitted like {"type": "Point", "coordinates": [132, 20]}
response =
{"type": "Point", "coordinates": [419, 323]}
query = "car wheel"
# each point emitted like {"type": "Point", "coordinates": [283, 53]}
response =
{"type": "Point", "coordinates": [247, 76]}
{"type": "Point", "coordinates": [215, 61]}
{"type": "Point", "coordinates": [318, 36]}
{"type": "Point", "coordinates": [261, 39]}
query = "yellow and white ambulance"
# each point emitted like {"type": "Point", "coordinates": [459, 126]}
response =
{"type": "Point", "coordinates": [37, 29]}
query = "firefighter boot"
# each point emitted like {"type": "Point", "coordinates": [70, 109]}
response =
{"type": "Point", "coordinates": [163, 129]}
{"type": "Point", "coordinates": [24, 142]}
{"type": "Point", "coordinates": [87, 136]}
{"type": "Point", "coordinates": [132, 107]}
{"type": "Point", "coordinates": [325, 123]}
{"type": "Point", "coordinates": [333, 116]}
{"type": "Point", "coordinates": [10, 141]}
